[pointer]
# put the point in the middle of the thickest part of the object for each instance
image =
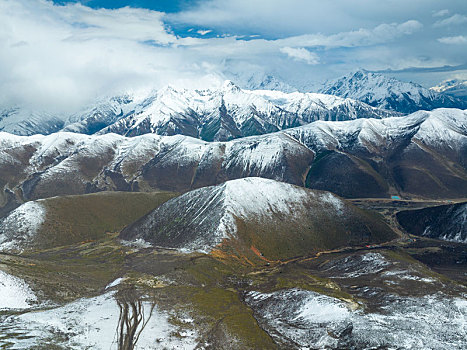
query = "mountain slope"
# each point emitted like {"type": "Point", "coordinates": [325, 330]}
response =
{"type": "Point", "coordinates": [421, 155]}
{"type": "Point", "coordinates": [254, 216]}
{"type": "Point", "coordinates": [453, 87]}
{"type": "Point", "coordinates": [67, 220]}
{"type": "Point", "coordinates": [380, 91]}
{"type": "Point", "coordinates": [446, 222]}
{"type": "Point", "coordinates": [24, 121]}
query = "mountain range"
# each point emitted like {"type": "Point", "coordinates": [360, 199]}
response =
{"type": "Point", "coordinates": [229, 112]}
{"type": "Point", "coordinates": [421, 155]}
{"type": "Point", "coordinates": [380, 91]}
{"type": "Point", "coordinates": [212, 115]}
{"type": "Point", "coordinates": [236, 219]}
{"type": "Point", "coordinates": [453, 87]}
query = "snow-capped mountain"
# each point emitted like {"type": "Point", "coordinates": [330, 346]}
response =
{"type": "Point", "coordinates": [257, 210]}
{"type": "Point", "coordinates": [230, 112]}
{"type": "Point", "coordinates": [453, 87]}
{"type": "Point", "coordinates": [422, 155]}
{"type": "Point", "coordinates": [25, 121]}
{"type": "Point", "coordinates": [212, 115]}
{"type": "Point", "coordinates": [389, 93]}
{"type": "Point", "coordinates": [22, 120]}
{"type": "Point", "coordinates": [258, 80]}
{"type": "Point", "coordinates": [103, 113]}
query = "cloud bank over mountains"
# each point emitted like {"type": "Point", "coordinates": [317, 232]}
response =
{"type": "Point", "coordinates": [56, 56]}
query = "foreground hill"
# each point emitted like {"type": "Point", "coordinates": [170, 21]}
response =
{"type": "Point", "coordinates": [60, 221]}
{"type": "Point", "coordinates": [254, 216]}
{"type": "Point", "coordinates": [380, 91]}
{"type": "Point", "coordinates": [446, 222]}
{"type": "Point", "coordinates": [421, 155]}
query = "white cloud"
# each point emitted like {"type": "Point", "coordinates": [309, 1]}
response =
{"type": "Point", "coordinates": [204, 32]}
{"type": "Point", "coordinates": [382, 33]}
{"type": "Point", "coordinates": [301, 54]}
{"type": "Point", "coordinates": [454, 40]}
{"type": "Point", "coordinates": [454, 20]}
{"type": "Point", "coordinates": [65, 56]}
{"type": "Point", "coordinates": [298, 17]}
{"type": "Point", "coordinates": [441, 13]}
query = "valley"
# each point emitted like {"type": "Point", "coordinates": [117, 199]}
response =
{"type": "Point", "coordinates": [194, 299]}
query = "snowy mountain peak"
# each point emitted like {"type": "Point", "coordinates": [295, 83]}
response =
{"type": "Point", "coordinates": [230, 112]}
{"type": "Point", "coordinates": [453, 87]}
{"type": "Point", "coordinates": [385, 92]}
{"type": "Point", "coordinates": [230, 86]}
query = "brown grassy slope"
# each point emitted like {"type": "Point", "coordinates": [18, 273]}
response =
{"type": "Point", "coordinates": [74, 219]}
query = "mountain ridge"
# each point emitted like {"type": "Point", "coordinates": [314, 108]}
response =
{"type": "Point", "coordinates": [380, 91]}
{"type": "Point", "coordinates": [421, 155]}
{"type": "Point", "coordinates": [213, 114]}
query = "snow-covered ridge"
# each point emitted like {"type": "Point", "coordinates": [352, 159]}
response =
{"type": "Point", "coordinates": [182, 163]}
{"type": "Point", "coordinates": [215, 114]}
{"type": "Point", "coordinates": [389, 93]}
{"type": "Point", "coordinates": [444, 126]}
{"type": "Point", "coordinates": [441, 124]}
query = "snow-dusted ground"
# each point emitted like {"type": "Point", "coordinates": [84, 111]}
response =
{"type": "Point", "coordinates": [356, 266]}
{"type": "Point", "coordinates": [90, 324]}
{"type": "Point", "coordinates": [312, 321]}
{"type": "Point", "coordinates": [14, 293]}
{"type": "Point", "coordinates": [18, 228]}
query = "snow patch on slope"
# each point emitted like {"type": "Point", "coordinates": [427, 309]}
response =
{"type": "Point", "coordinates": [308, 319]}
{"type": "Point", "coordinates": [14, 293]}
{"type": "Point", "coordinates": [21, 225]}
{"type": "Point", "coordinates": [92, 324]}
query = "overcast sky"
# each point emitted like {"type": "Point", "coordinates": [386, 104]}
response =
{"type": "Point", "coordinates": [66, 53]}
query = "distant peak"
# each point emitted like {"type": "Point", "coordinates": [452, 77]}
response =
{"type": "Point", "coordinates": [229, 85]}
{"type": "Point", "coordinates": [360, 72]}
